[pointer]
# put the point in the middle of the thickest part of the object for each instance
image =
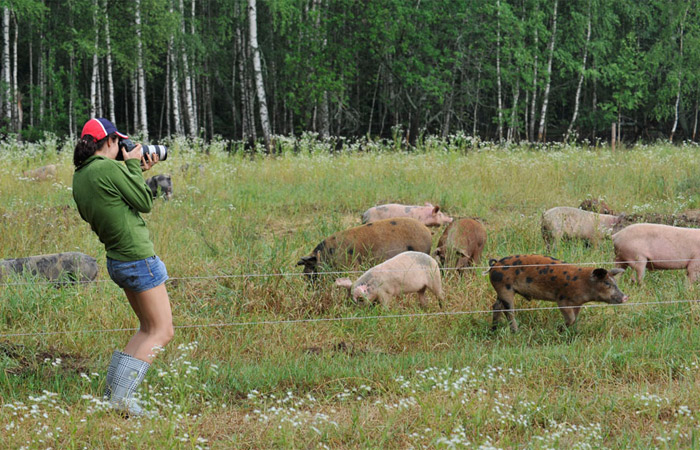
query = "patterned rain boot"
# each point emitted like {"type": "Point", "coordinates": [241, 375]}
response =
{"type": "Point", "coordinates": [128, 374]}
{"type": "Point", "coordinates": [111, 370]}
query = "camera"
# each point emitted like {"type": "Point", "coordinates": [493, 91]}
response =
{"type": "Point", "coordinates": [127, 145]}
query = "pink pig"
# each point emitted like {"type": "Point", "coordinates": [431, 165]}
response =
{"type": "Point", "coordinates": [429, 215]}
{"type": "Point", "coordinates": [658, 247]}
{"type": "Point", "coordinates": [405, 273]}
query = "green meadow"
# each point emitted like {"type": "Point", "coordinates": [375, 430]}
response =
{"type": "Point", "coordinates": [262, 360]}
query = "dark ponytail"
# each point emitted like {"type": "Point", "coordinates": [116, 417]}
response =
{"type": "Point", "coordinates": [86, 147]}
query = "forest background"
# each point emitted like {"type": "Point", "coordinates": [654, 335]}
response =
{"type": "Point", "coordinates": [515, 70]}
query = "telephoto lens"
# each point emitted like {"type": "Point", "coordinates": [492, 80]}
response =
{"type": "Point", "coordinates": [128, 145]}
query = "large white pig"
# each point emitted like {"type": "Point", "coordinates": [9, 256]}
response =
{"type": "Point", "coordinates": [405, 273]}
{"type": "Point", "coordinates": [658, 247]}
{"type": "Point", "coordinates": [566, 222]}
{"type": "Point", "coordinates": [429, 214]}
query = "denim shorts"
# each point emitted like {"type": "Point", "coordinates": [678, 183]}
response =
{"type": "Point", "coordinates": [137, 276]}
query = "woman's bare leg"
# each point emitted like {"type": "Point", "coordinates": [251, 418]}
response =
{"type": "Point", "coordinates": [152, 307]}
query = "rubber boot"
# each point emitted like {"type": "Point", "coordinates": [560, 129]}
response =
{"type": "Point", "coordinates": [128, 374]}
{"type": "Point", "coordinates": [111, 370]}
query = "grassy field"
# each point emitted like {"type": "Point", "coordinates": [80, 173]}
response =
{"type": "Point", "coordinates": [248, 369]}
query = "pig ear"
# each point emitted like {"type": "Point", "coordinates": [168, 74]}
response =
{"type": "Point", "coordinates": [436, 209]}
{"type": "Point", "coordinates": [600, 273]}
{"type": "Point", "coordinates": [428, 204]}
{"type": "Point", "coordinates": [344, 283]}
{"type": "Point", "coordinates": [616, 271]}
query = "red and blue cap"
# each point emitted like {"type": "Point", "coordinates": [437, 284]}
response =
{"type": "Point", "coordinates": [100, 128]}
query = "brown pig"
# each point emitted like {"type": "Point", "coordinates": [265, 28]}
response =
{"type": "Point", "coordinates": [371, 243]}
{"type": "Point", "coordinates": [461, 244]}
{"type": "Point", "coordinates": [405, 273]}
{"type": "Point", "coordinates": [658, 247]}
{"type": "Point", "coordinates": [545, 278]}
{"type": "Point", "coordinates": [429, 215]}
{"type": "Point", "coordinates": [566, 222]}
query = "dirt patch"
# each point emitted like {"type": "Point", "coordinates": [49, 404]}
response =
{"type": "Point", "coordinates": [31, 360]}
{"type": "Point", "coordinates": [688, 219]}
{"type": "Point", "coordinates": [339, 347]}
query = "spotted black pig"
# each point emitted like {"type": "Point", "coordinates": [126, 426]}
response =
{"type": "Point", "coordinates": [371, 243]}
{"type": "Point", "coordinates": [68, 266]}
{"type": "Point", "coordinates": [545, 278]}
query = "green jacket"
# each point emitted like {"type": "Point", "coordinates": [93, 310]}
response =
{"type": "Point", "coordinates": [110, 195]}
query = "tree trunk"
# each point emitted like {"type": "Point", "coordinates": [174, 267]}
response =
{"type": "Point", "coordinates": [680, 78]}
{"type": "Point", "coordinates": [42, 69]}
{"type": "Point", "coordinates": [174, 86]}
{"type": "Point", "coordinates": [513, 128]}
{"type": "Point", "coordinates": [192, 75]}
{"type": "Point", "coordinates": [189, 103]}
{"type": "Point", "coordinates": [135, 101]}
{"type": "Point", "coordinates": [374, 99]}
{"type": "Point", "coordinates": [476, 102]}
{"type": "Point", "coordinates": [545, 98]}
{"type": "Point", "coordinates": [577, 99]}
{"type": "Point", "coordinates": [110, 76]}
{"type": "Point", "coordinates": [6, 100]}
{"type": "Point", "coordinates": [526, 116]}
{"type": "Point", "coordinates": [447, 110]}
{"type": "Point", "coordinates": [31, 75]}
{"type": "Point", "coordinates": [533, 104]}
{"type": "Point", "coordinates": [247, 129]}
{"type": "Point", "coordinates": [143, 118]}
{"type": "Point", "coordinates": [95, 62]}
{"type": "Point", "coordinates": [498, 70]}
{"type": "Point", "coordinates": [16, 96]}
{"type": "Point", "coordinates": [257, 69]}
{"type": "Point", "coordinates": [695, 123]}
{"type": "Point", "coordinates": [72, 78]}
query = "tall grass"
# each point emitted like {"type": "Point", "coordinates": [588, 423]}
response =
{"type": "Point", "coordinates": [624, 377]}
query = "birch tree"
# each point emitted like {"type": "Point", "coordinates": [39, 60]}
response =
{"type": "Point", "coordinates": [95, 63]}
{"type": "Point", "coordinates": [533, 106]}
{"type": "Point", "coordinates": [7, 101]}
{"type": "Point", "coordinates": [545, 99]}
{"type": "Point", "coordinates": [257, 70]}
{"type": "Point", "coordinates": [140, 77]}
{"type": "Point", "coordinates": [680, 75]}
{"type": "Point", "coordinates": [189, 99]}
{"type": "Point", "coordinates": [498, 70]}
{"type": "Point", "coordinates": [110, 69]}
{"type": "Point", "coordinates": [577, 97]}
{"type": "Point", "coordinates": [174, 87]}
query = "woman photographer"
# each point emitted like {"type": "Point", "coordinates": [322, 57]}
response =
{"type": "Point", "coordinates": [110, 195]}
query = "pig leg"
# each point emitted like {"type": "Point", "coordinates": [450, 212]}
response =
{"type": "Point", "coordinates": [570, 313]}
{"type": "Point", "coordinates": [384, 299]}
{"type": "Point", "coordinates": [437, 291]}
{"type": "Point", "coordinates": [693, 270]}
{"type": "Point", "coordinates": [497, 313]}
{"type": "Point", "coordinates": [504, 306]}
{"type": "Point", "coordinates": [421, 298]}
{"type": "Point", "coordinates": [638, 265]}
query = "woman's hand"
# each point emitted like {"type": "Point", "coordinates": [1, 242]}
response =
{"type": "Point", "coordinates": [147, 161]}
{"type": "Point", "coordinates": [135, 152]}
